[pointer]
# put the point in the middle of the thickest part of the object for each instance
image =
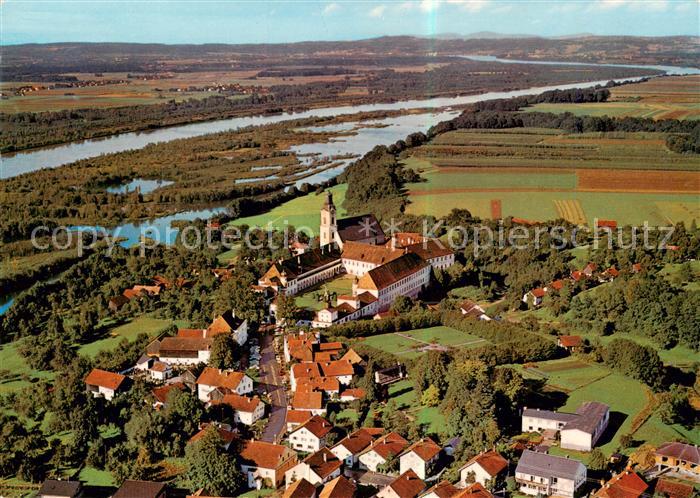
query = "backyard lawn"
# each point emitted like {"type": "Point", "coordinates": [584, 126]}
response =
{"type": "Point", "coordinates": [151, 326]}
{"type": "Point", "coordinates": [404, 395]}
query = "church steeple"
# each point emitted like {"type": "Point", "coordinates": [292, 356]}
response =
{"type": "Point", "coordinates": [329, 225]}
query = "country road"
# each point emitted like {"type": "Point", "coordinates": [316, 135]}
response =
{"type": "Point", "coordinates": [271, 378]}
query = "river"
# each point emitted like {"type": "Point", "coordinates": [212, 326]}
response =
{"type": "Point", "coordinates": [390, 130]}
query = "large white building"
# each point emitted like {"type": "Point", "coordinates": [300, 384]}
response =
{"type": "Point", "coordinates": [404, 276]}
{"type": "Point", "coordinates": [548, 475]}
{"type": "Point", "coordinates": [578, 431]}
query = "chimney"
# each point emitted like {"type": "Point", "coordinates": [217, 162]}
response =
{"type": "Point", "coordinates": [325, 457]}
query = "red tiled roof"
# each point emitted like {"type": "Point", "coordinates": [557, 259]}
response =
{"type": "Point", "coordinates": [329, 384]}
{"type": "Point", "coordinates": [403, 239]}
{"type": "Point", "coordinates": [570, 341]}
{"type": "Point", "coordinates": [407, 485]}
{"type": "Point", "coordinates": [673, 489]}
{"type": "Point", "coordinates": [300, 489]}
{"type": "Point", "coordinates": [368, 253]}
{"type": "Point", "coordinates": [317, 425]}
{"type": "Point", "coordinates": [184, 344]}
{"type": "Point", "coordinates": [191, 333]}
{"type": "Point", "coordinates": [356, 393]}
{"type": "Point", "coordinates": [443, 489]}
{"type": "Point", "coordinates": [430, 249]}
{"type": "Point", "coordinates": [360, 439]}
{"type": "Point", "coordinates": [606, 224]}
{"type": "Point", "coordinates": [383, 276]}
{"type": "Point", "coordinates": [323, 462]}
{"type": "Point", "coordinates": [226, 435]}
{"type": "Point", "coordinates": [220, 378]}
{"type": "Point", "coordinates": [159, 366]}
{"type": "Point", "coordinates": [161, 393]}
{"type": "Point", "coordinates": [390, 444]}
{"type": "Point", "coordinates": [491, 461]}
{"type": "Point", "coordinates": [352, 357]}
{"type": "Point", "coordinates": [298, 416]}
{"type": "Point", "coordinates": [476, 490]}
{"type": "Point", "coordinates": [539, 292]}
{"type": "Point", "coordinates": [307, 400]}
{"type": "Point", "coordinates": [426, 449]}
{"type": "Point", "coordinates": [263, 455]}
{"type": "Point", "coordinates": [624, 485]}
{"type": "Point", "coordinates": [238, 402]}
{"type": "Point", "coordinates": [336, 368]}
{"type": "Point", "coordinates": [103, 378]}
{"type": "Point", "coordinates": [557, 285]}
{"type": "Point", "coordinates": [340, 487]}
{"type": "Point", "coordinates": [305, 370]}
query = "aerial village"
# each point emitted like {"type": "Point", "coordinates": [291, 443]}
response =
{"type": "Point", "coordinates": [279, 422]}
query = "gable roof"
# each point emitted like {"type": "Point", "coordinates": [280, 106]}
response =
{"type": "Point", "coordinates": [220, 378]}
{"type": "Point", "coordinates": [491, 461]}
{"type": "Point", "coordinates": [305, 262]}
{"type": "Point", "coordinates": [184, 344]}
{"type": "Point", "coordinates": [139, 489]}
{"type": "Point", "coordinates": [305, 400]}
{"type": "Point", "coordinates": [103, 378]}
{"type": "Point", "coordinates": [549, 415]}
{"type": "Point", "coordinates": [54, 487]}
{"type": "Point", "coordinates": [351, 356]}
{"type": "Point", "coordinates": [226, 435]}
{"type": "Point", "coordinates": [340, 487]}
{"type": "Point", "coordinates": [226, 322]}
{"type": "Point", "coordinates": [262, 454]}
{"type": "Point", "coordinates": [336, 368]}
{"type": "Point", "coordinates": [298, 416]}
{"type": "Point", "coordinates": [323, 462]}
{"type": "Point", "coordinates": [476, 490]}
{"type": "Point", "coordinates": [161, 393]}
{"type": "Point", "coordinates": [360, 439]}
{"type": "Point", "coordinates": [318, 384]}
{"type": "Point", "coordinates": [368, 253]}
{"type": "Point", "coordinates": [443, 489]}
{"type": "Point", "coordinates": [316, 425]}
{"type": "Point", "coordinates": [429, 249]}
{"type": "Point", "coordinates": [426, 449]}
{"type": "Point", "coordinates": [570, 341]}
{"type": "Point", "coordinates": [389, 444]}
{"type": "Point", "coordinates": [589, 414]}
{"type": "Point", "coordinates": [308, 370]}
{"type": "Point", "coordinates": [543, 464]}
{"type": "Point", "coordinates": [359, 227]}
{"type": "Point", "coordinates": [407, 485]}
{"type": "Point", "coordinates": [673, 489]}
{"type": "Point", "coordinates": [238, 402]}
{"type": "Point", "coordinates": [383, 276]}
{"type": "Point", "coordinates": [300, 489]}
{"type": "Point", "coordinates": [681, 451]}
{"type": "Point", "coordinates": [627, 484]}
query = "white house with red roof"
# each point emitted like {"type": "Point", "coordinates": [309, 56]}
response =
{"type": "Point", "coordinates": [311, 436]}
{"type": "Point", "coordinates": [420, 457]}
{"type": "Point", "coordinates": [105, 384]}
{"type": "Point", "coordinates": [482, 468]}
{"type": "Point", "coordinates": [226, 381]}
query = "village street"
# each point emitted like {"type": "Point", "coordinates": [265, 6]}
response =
{"type": "Point", "coordinates": [271, 378]}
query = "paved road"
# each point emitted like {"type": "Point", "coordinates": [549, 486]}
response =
{"type": "Point", "coordinates": [271, 378]}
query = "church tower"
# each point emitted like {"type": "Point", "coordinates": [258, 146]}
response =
{"type": "Point", "coordinates": [329, 225]}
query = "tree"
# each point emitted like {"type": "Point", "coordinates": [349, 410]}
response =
{"type": "Point", "coordinates": [597, 460]}
{"type": "Point", "coordinates": [225, 352]}
{"type": "Point", "coordinates": [431, 396]}
{"type": "Point", "coordinates": [626, 441]}
{"type": "Point", "coordinates": [286, 308]}
{"type": "Point", "coordinates": [402, 304]}
{"type": "Point", "coordinates": [210, 466]}
{"type": "Point", "coordinates": [390, 465]}
{"type": "Point", "coordinates": [675, 407]}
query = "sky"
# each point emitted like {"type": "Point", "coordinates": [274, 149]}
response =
{"type": "Point", "coordinates": [268, 21]}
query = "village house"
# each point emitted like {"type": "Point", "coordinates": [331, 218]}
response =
{"type": "Point", "coordinates": [318, 468]}
{"type": "Point", "coordinates": [683, 458]}
{"type": "Point", "coordinates": [475, 490]}
{"type": "Point", "coordinates": [407, 485]}
{"type": "Point", "coordinates": [483, 468]}
{"type": "Point", "coordinates": [470, 308]}
{"type": "Point", "coordinates": [380, 451]}
{"type": "Point", "coordinates": [341, 370]}
{"type": "Point", "coordinates": [578, 431]}
{"type": "Point", "coordinates": [311, 436]}
{"type": "Point", "coordinates": [181, 350]}
{"type": "Point", "coordinates": [246, 410]}
{"type": "Point", "coordinates": [226, 381]}
{"type": "Point", "coordinates": [160, 394]}
{"type": "Point", "coordinates": [443, 489]}
{"type": "Point", "coordinates": [543, 474]}
{"type": "Point", "coordinates": [160, 372]}
{"type": "Point", "coordinates": [300, 489]}
{"type": "Point", "coordinates": [348, 308]}
{"type": "Point", "coordinates": [534, 297]}
{"type": "Point", "coordinates": [141, 489]}
{"type": "Point", "coordinates": [626, 484]}
{"type": "Point", "coordinates": [311, 401]}
{"type": "Point", "coordinates": [340, 487]}
{"type": "Point", "coordinates": [299, 346]}
{"type": "Point", "coordinates": [327, 385]}
{"type": "Point", "coordinates": [350, 395]}
{"type": "Point", "coordinates": [421, 457]}
{"type": "Point", "coordinates": [571, 343]}
{"type": "Point", "coordinates": [229, 323]}
{"type": "Point", "coordinates": [227, 434]}
{"type": "Point", "coordinates": [53, 488]}
{"type": "Point", "coordinates": [144, 363]}
{"type": "Point", "coordinates": [105, 384]}
{"type": "Point", "coordinates": [295, 418]}
{"type": "Point", "coordinates": [264, 464]}
{"type": "Point", "coordinates": [351, 446]}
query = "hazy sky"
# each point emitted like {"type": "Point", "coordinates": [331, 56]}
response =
{"type": "Point", "coordinates": [233, 21]}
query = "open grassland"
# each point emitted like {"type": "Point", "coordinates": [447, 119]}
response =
{"type": "Point", "coordinates": [569, 374]}
{"type": "Point", "coordinates": [413, 343]}
{"type": "Point", "coordinates": [129, 331]}
{"type": "Point", "coordinates": [540, 176]}
{"type": "Point", "coordinates": [675, 97]}
{"type": "Point", "coordinates": [299, 212]}
{"type": "Point", "coordinates": [16, 374]}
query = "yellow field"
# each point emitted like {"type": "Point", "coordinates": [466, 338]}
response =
{"type": "Point", "coordinates": [571, 211]}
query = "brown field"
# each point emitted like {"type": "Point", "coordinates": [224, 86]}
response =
{"type": "Point", "coordinates": [638, 181]}
{"type": "Point", "coordinates": [673, 89]}
{"type": "Point", "coordinates": [571, 211]}
{"type": "Point", "coordinates": [496, 212]}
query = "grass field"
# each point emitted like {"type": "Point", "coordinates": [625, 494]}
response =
{"type": "Point", "coordinates": [151, 326]}
{"type": "Point", "coordinates": [675, 97]}
{"type": "Point", "coordinates": [408, 344]}
{"type": "Point", "coordinates": [568, 374]}
{"type": "Point", "coordinates": [404, 395]}
{"type": "Point", "coordinates": [19, 375]}
{"type": "Point", "coordinates": [299, 212]}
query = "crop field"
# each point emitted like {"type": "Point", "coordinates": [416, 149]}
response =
{"type": "Point", "coordinates": [660, 98]}
{"type": "Point", "coordinates": [299, 212]}
{"type": "Point", "coordinates": [543, 176]}
{"type": "Point", "coordinates": [413, 343]}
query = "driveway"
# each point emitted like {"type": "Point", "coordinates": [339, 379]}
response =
{"type": "Point", "coordinates": [271, 378]}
